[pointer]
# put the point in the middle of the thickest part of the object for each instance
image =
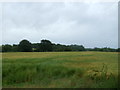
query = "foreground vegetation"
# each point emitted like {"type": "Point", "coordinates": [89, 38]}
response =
{"type": "Point", "coordinates": [60, 69]}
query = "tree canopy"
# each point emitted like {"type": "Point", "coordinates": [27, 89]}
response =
{"type": "Point", "coordinates": [48, 46]}
{"type": "Point", "coordinates": [45, 46]}
{"type": "Point", "coordinates": [25, 46]}
{"type": "Point", "coordinates": [6, 48]}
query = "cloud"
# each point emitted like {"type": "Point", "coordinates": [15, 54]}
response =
{"type": "Point", "coordinates": [90, 24]}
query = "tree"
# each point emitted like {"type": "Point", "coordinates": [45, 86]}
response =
{"type": "Point", "coordinates": [81, 48]}
{"type": "Point", "coordinates": [0, 48]}
{"type": "Point", "coordinates": [77, 47]}
{"type": "Point", "coordinates": [15, 48]}
{"type": "Point", "coordinates": [59, 47]}
{"type": "Point", "coordinates": [35, 47]}
{"type": "Point", "coordinates": [118, 50]}
{"type": "Point", "coordinates": [25, 46]}
{"type": "Point", "coordinates": [97, 49]}
{"type": "Point", "coordinates": [45, 46]}
{"type": "Point", "coordinates": [68, 48]}
{"type": "Point", "coordinates": [6, 48]}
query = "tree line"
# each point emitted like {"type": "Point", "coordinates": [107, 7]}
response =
{"type": "Point", "coordinates": [48, 46]}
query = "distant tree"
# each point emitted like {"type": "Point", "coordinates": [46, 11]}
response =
{"type": "Point", "coordinates": [77, 47]}
{"type": "Point", "coordinates": [97, 49]}
{"type": "Point", "coordinates": [35, 47]}
{"type": "Point", "coordinates": [59, 47]}
{"type": "Point", "coordinates": [118, 50]}
{"type": "Point", "coordinates": [0, 48]}
{"type": "Point", "coordinates": [88, 49]}
{"type": "Point", "coordinates": [6, 48]}
{"type": "Point", "coordinates": [81, 48]}
{"type": "Point", "coordinates": [25, 46]}
{"type": "Point", "coordinates": [15, 48]}
{"type": "Point", "coordinates": [105, 49]}
{"type": "Point", "coordinates": [45, 46]}
{"type": "Point", "coordinates": [68, 48]}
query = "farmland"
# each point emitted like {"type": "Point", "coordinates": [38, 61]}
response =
{"type": "Point", "coordinates": [60, 69]}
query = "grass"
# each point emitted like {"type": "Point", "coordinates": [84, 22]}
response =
{"type": "Point", "coordinates": [60, 69]}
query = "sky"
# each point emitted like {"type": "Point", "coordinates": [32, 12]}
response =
{"type": "Point", "coordinates": [82, 23]}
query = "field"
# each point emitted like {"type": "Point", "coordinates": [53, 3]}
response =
{"type": "Point", "coordinates": [60, 69]}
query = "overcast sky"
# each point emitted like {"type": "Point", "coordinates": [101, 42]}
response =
{"type": "Point", "coordinates": [89, 24]}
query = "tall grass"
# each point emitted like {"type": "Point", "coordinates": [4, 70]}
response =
{"type": "Point", "coordinates": [60, 70]}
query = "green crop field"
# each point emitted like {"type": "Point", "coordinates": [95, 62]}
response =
{"type": "Point", "coordinates": [60, 69]}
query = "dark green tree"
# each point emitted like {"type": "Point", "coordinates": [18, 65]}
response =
{"type": "Point", "coordinates": [81, 48]}
{"type": "Point", "coordinates": [35, 47]}
{"type": "Point", "coordinates": [77, 47]}
{"type": "Point", "coordinates": [6, 48]}
{"type": "Point", "coordinates": [0, 48]}
{"type": "Point", "coordinates": [118, 50]}
{"type": "Point", "coordinates": [25, 46]}
{"type": "Point", "coordinates": [59, 47]}
{"type": "Point", "coordinates": [45, 46]}
{"type": "Point", "coordinates": [15, 48]}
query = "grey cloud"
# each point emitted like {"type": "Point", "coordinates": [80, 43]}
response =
{"type": "Point", "coordinates": [92, 24]}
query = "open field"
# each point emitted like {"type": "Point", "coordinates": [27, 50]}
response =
{"type": "Point", "coordinates": [60, 69]}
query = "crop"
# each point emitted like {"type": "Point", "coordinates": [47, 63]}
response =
{"type": "Point", "coordinates": [60, 69]}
